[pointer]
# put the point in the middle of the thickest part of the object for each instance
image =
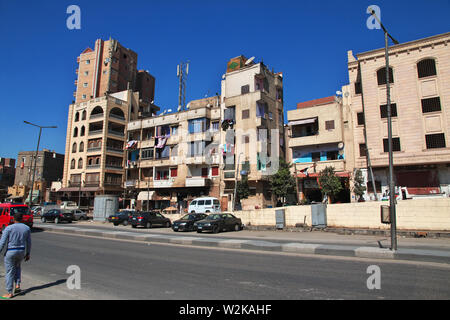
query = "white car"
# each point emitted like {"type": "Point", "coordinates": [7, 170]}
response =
{"type": "Point", "coordinates": [204, 205]}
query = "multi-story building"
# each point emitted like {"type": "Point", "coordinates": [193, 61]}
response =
{"type": "Point", "coordinates": [419, 77]}
{"type": "Point", "coordinates": [252, 122]}
{"type": "Point", "coordinates": [110, 92]}
{"type": "Point", "coordinates": [318, 136]}
{"type": "Point", "coordinates": [48, 168]}
{"type": "Point", "coordinates": [174, 158]}
{"type": "Point", "coordinates": [7, 174]}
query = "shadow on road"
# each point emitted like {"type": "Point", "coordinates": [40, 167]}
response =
{"type": "Point", "coordinates": [44, 286]}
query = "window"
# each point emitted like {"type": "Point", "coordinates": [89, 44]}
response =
{"type": "Point", "coordinates": [208, 202]}
{"type": "Point", "coordinates": [163, 153]}
{"type": "Point", "coordinates": [360, 118]}
{"type": "Point", "coordinates": [329, 125]}
{"type": "Point", "coordinates": [173, 172]}
{"type": "Point", "coordinates": [81, 148]}
{"type": "Point", "coordinates": [83, 117]}
{"type": "Point", "coordinates": [435, 140]}
{"type": "Point", "coordinates": [198, 125]}
{"type": "Point", "coordinates": [245, 114]}
{"type": "Point", "coordinates": [85, 84]}
{"type": "Point", "coordinates": [74, 148]}
{"type": "Point", "coordinates": [196, 148]}
{"type": "Point", "coordinates": [362, 150]}
{"type": "Point", "coordinates": [82, 131]}
{"type": "Point", "coordinates": [246, 139]}
{"type": "Point", "coordinates": [332, 155]}
{"type": "Point", "coordinates": [175, 130]}
{"type": "Point", "coordinates": [395, 145]}
{"type": "Point", "coordinates": [72, 164]}
{"type": "Point", "coordinates": [315, 156]}
{"type": "Point", "coordinates": [147, 153]}
{"type": "Point", "coordinates": [83, 96]}
{"type": "Point", "coordinates": [229, 113]}
{"type": "Point", "coordinates": [75, 132]}
{"type": "Point", "coordinates": [426, 68]}
{"type": "Point", "coordinates": [270, 116]}
{"type": "Point", "coordinates": [86, 73]}
{"type": "Point", "coordinates": [215, 126]}
{"type": "Point", "coordinates": [88, 61]}
{"type": "Point", "coordinates": [215, 171]}
{"type": "Point", "coordinates": [204, 172]}
{"type": "Point", "coordinates": [358, 88]}
{"type": "Point", "coordinates": [383, 110]}
{"type": "Point", "coordinates": [201, 202]}
{"type": "Point", "coordinates": [261, 110]}
{"type": "Point", "coordinates": [245, 89]}
{"type": "Point", "coordinates": [77, 117]}
{"type": "Point", "coordinates": [80, 163]}
{"type": "Point", "coordinates": [381, 76]}
{"type": "Point", "coordinates": [431, 105]}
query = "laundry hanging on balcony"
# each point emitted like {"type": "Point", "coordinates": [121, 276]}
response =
{"type": "Point", "coordinates": [131, 145]}
{"type": "Point", "coordinates": [162, 140]}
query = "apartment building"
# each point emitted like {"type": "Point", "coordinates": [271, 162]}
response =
{"type": "Point", "coordinates": [419, 77]}
{"type": "Point", "coordinates": [174, 158]}
{"type": "Point", "coordinates": [110, 92]}
{"type": "Point", "coordinates": [7, 174]}
{"type": "Point", "coordinates": [253, 130]}
{"type": "Point", "coordinates": [319, 136]}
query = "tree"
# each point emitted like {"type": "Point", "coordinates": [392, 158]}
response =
{"type": "Point", "coordinates": [242, 188]}
{"type": "Point", "coordinates": [283, 182]}
{"type": "Point", "coordinates": [358, 187]}
{"type": "Point", "coordinates": [330, 184]}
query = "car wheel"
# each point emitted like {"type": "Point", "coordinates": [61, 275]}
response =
{"type": "Point", "coordinates": [115, 224]}
{"type": "Point", "coordinates": [133, 226]}
{"type": "Point", "coordinates": [199, 231]}
{"type": "Point", "coordinates": [56, 220]}
{"type": "Point", "coordinates": [125, 222]}
{"type": "Point", "coordinates": [237, 227]}
{"type": "Point", "coordinates": [167, 224]}
{"type": "Point", "coordinates": [193, 211]}
{"type": "Point", "coordinates": [148, 225]}
{"type": "Point", "coordinates": [215, 229]}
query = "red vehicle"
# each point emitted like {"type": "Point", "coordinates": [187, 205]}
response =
{"type": "Point", "coordinates": [7, 211]}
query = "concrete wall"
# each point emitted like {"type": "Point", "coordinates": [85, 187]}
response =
{"type": "Point", "coordinates": [426, 214]}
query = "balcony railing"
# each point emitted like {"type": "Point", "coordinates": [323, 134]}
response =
{"type": "Point", "coordinates": [95, 132]}
{"type": "Point", "coordinates": [116, 133]}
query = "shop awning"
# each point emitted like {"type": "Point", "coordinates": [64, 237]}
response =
{"type": "Point", "coordinates": [144, 195]}
{"type": "Point", "coordinates": [303, 121]}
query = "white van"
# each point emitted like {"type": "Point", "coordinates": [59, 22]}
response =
{"type": "Point", "coordinates": [204, 205]}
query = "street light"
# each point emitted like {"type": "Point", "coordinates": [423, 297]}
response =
{"type": "Point", "coordinates": [389, 119]}
{"type": "Point", "coordinates": [36, 154]}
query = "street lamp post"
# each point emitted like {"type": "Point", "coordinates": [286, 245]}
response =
{"type": "Point", "coordinates": [36, 154]}
{"type": "Point", "coordinates": [236, 181]}
{"type": "Point", "coordinates": [392, 199]}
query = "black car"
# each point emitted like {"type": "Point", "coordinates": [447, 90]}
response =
{"type": "Point", "coordinates": [186, 223]}
{"type": "Point", "coordinates": [58, 215]}
{"type": "Point", "coordinates": [149, 219]}
{"type": "Point", "coordinates": [217, 222]}
{"type": "Point", "coordinates": [122, 217]}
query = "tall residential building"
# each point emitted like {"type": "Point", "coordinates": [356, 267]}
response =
{"type": "Point", "coordinates": [7, 174]}
{"type": "Point", "coordinates": [110, 92]}
{"type": "Point", "coordinates": [419, 77]}
{"type": "Point", "coordinates": [253, 130]}
{"type": "Point", "coordinates": [174, 158]}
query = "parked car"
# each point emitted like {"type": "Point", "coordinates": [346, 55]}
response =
{"type": "Point", "coordinates": [121, 217]}
{"type": "Point", "coordinates": [58, 215]}
{"type": "Point", "coordinates": [36, 211]}
{"type": "Point", "coordinates": [79, 214]}
{"type": "Point", "coordinates": [149, 219]}
{"type": "Point", "coordinates": [218, 222]}
{"type": "Point", "coordinates": [186, 223]}
{"type": "Point", "coordinates": [204, 205]}
{"type": "Point", "coordinates": [7, 211]}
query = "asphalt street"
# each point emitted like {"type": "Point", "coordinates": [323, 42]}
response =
{"type": "Point", "coordinates": [118, 269]}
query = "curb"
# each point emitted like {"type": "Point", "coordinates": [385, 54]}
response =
{"type": "Point", "coordinates": [439, 256]}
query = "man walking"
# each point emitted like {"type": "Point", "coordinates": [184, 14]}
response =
{"type": "Point", "coordinates": [17, 238]}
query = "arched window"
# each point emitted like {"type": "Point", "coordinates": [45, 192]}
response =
{"type": "Point", "coordinates": [74, 148]}
{"type": "Point", "coordinates": [117, 113]}
{"type": "Point", "coordinates": [381, 76]}
{"type": "Point", "coordinates": [83, 116]}
{"type": "Point", "coordinates": [82, 131]}
{"type": "Point", "coordinates": [90, 161]}
{"type": "Point", "coordinates": [80, 163]}
{"type": "Point", "coordinates": [97, 160]}
{"type": "Point", "coordinates": [81, 148]}
{"type": "Point", "coordinates": [77, 116]}
{"type": "Point", "coordinates": [426, 68]}
{"type": "Point", "coordinates": [72, 164]}
{"type": "Point", "coordinates": [97, 112]}
{"type": "Point", "coordinates": [75, 132]}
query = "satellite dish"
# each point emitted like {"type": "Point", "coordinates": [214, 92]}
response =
{"type": "Point", "coordinates": [249, 61]}
{"type": "Point", "coordinates": [338, 93]}
{"type": "Point", "coordinates": [341, 145]}
{"type": "Point", "coordinates": [170, 110]}
{"type": "Point", "coordinates": [346, 94]}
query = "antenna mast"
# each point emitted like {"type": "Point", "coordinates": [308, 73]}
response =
{"type": "Point", "coordinates": [182, 73]}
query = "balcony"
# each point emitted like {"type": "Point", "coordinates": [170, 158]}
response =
{"type": "Point", "coordinates": [197, 182]}
{"type": "Point", "coordinates": [94, 149]}
{"type": "Point", "coordinates": [95, 132]}
{"type": "Point", "coordinates": [338, 165]}
{"type": "Point", "coordinates": [116, 133]}
{"type": "Point", "coordinates": [163, 183]}
{"type": "Point", "coordinates": [213, 159]}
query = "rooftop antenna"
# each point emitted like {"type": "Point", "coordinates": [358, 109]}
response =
{"type": "Point", "coordinates": [182, 73]}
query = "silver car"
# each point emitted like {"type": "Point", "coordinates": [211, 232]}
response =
{"type": "Point", "coordinates": [79, 214]}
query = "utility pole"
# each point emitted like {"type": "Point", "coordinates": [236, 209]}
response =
{"type": "Point", "coordinates": [36, 155]}
{"type": "Point", "coordinates": [392, 200]}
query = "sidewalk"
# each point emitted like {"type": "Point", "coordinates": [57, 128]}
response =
{"type": "Point", "coordinates": [309, 242]}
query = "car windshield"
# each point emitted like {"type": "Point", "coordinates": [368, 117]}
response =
{"type": "Point", "coordinates": [188, 217]}
{"type": "Point", "coordinates": [213, 217]}
{"type": "Point", "coordinates": [22, 210]}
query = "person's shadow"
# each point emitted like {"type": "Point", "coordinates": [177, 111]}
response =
{"type": "Point", "coordinates": [44, 286]}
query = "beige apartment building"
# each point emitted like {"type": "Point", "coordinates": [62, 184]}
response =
{"type": "Point", "coordinates": [319, 136]}
{"type": "Point", "coordinates": [174, 158]}
{"type": "Point", "coordinates": [110, 92]}
{"type": "Point", "coordinates": [419, 79]}
{"type": "Point", "coordinates": [253, 130]}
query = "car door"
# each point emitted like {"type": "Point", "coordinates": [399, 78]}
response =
{"type": "Point", "coordinates": [200, 206]}
{"type": "Point", "coordinates": [159, 219]}
{"type": "Point", "coordinates": [230, 221]}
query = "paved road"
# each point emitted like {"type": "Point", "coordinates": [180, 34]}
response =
{"type": "Point", "coordinates": [113, 269]}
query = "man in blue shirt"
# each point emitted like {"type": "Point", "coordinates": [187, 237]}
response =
{"type": "Point", "coordinates": [17, 239]}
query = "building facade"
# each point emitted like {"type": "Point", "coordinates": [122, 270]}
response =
{"type": "Point", "coordinates": [7, 175]}
{"type": "Point", "coordinates": [419, 77]}
{"type": "Point", "coordinates": [110, 93]}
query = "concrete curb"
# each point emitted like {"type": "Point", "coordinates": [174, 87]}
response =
{"type": "Point", "coordinates": [264, 245]}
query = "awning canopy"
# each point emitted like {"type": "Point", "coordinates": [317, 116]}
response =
{"type": "Point", "coordinates": [145, 195]}
{"type": "Point", "coordinates": [303, 121]}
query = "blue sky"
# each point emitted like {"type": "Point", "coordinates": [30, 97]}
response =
{"type": "Point", "coordinates": [306, 40]}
